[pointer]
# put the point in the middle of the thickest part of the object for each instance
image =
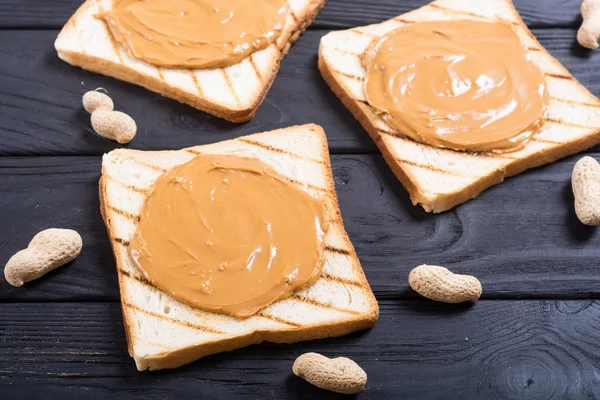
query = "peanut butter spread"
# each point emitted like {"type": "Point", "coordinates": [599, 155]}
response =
{"type": "Point", "coordinates": [228, 234]}
{"type": "Point", "coordinates": [195, 33]}
{"type": "Point", "coordinates": [466, 85]}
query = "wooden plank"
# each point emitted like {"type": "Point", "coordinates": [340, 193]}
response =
{"type": "Point", "coordinates": [351, 13]}
{"type": "Point", "coordinates": [336, 14]}
{"type": "Point", "coordinates": [56, 192]}
{"type": "Point", "coordinates": [36, 13]}
{"type": "Point", "coordinates": [42, 98]}
{"type": "Point", "coordinates": [44, 116]}
{"type": "Point", "coordinates": [418, 349]}
{"type": "Point", "coordinates": [520, 238]}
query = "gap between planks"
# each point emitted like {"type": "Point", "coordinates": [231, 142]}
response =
{"type": "Point", "coordinates": [315, 26]}
{"type": "Point", "coordinates": [381, 297]}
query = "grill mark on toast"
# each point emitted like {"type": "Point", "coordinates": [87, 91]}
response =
{"type": "Point", "coordinates": [333, 220]}
{"type": "Point", "coordinates": [558, 76]}
{"type": "Point", "coordinates": [343, 281]}
{"type": "Point", "coordinates": [363, 33]}
{"type": "Point", "coordinates": [308, 185]}
{"type": "Point", "coordinates": [292, 14]}
{"type": "Point", "coordinates": [435, 169]}
{"type": "Point", "coordinates": [400, 136]}
{"type": "Point", "coordinates": [540, 140]}
{"type": "Point", "coordinates": [314, 302]}
{"type": "Point", "coordinates": [403, 21]}
{"type": "Point", "coordinates": [125, 214]}
{"type": "Point", "coordinates": [122, 242]}
{"type": "Point", "coordinates": [533, 49]}
{"type": "Point", "coordinates": [350, 76]}
{"type": "Point", "coordinates": [276, 150]}
{"type": "Point", "coordinates": [153, 167]}
{"type": "Point", "coordinates": [558, 121]}
{"type": "Point", "coordinates": [336, 250]}
{"type": "Point", "coordinates": [71, 23]}
{"type": "Point", "coordinates": [346, 52]}
{"type": "Point", "coordinates": [173, 320]}
{"type": "Point", "coordinates": [144, 192]}
{"type": "Point", "coordinates": [575, 103]}
{"type": "Point", "coordinates": [196, 83]}
{"type": "Point", "coordinates": [192, 151]}
{"type": "Point", "coordinates": [160, 75]}
{"type": "Point", "coordinates": [472, 14]}
{"type": "Point", "coordinates": [526, 31]}
{"type": "Point", "coordinates": [277, 319]}
{"type": "Point", "coordinates": [231, 87]}
{"type": "Point", "coordinates": [255, 68]}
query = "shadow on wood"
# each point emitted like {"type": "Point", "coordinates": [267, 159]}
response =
{"type": "Point", "coordinates": [580, 232]}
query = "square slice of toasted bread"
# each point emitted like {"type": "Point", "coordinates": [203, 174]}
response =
{"type": "Point", "coordinates": [233, 93]}
{"type": "Point", "coordinates": [440, 179]}
{"type": "Point", "coordinates": [165, 333]}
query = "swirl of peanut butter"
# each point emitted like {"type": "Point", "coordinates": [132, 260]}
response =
{"type": "Point", "coordinates": [194, 33]}
{"type": "Point", "coordinates": [465, 85]}
{"type": "Point", "coordinates": [228, 234]}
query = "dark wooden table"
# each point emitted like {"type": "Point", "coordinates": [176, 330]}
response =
{"type": "Point", "coordinates": [533, 335]}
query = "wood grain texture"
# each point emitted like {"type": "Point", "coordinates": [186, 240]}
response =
{"type": "Point", "coordinates": [417, 350]}
{"type": "Point", "coordinates": [521, 238]}
{"type": "Point", "coordinates": [349, 13]}
{"type": "Point", "coordinates": [336, 14]}
{"type": "Point", "coordinates": [62, 336]}
{"type": "Point", "coordinates": [40, 97]}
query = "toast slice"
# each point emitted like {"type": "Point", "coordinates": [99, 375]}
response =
{"type": "Point", "coordinates": [165, 333]}
{"type": "Point", "coordinates": [233, 93]}
{"type": "Point", "coordinates": [440, 179]}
